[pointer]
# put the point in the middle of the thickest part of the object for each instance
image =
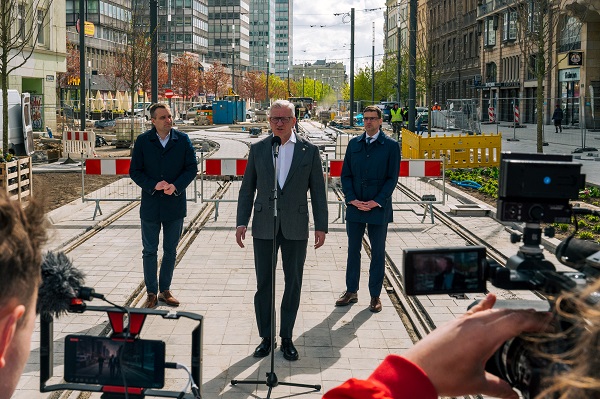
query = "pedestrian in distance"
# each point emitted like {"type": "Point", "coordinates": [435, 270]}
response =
{"type": "Point", "coordinates": [163, 164]}
{"type": "Point", "coordinates": [369, 177]}
{"type": "Point", "coordinates": [22, 235]}
{"type": "Point", "coordinates": [298, 173]}
{"type": "Point", "coordinates": [557, 117]}
{"type": "Point", "coordinates": [420, 124]}
{"type": "Point", "coordinates": [396, 120]}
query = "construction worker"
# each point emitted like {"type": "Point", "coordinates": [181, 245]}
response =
{"type": "Point", "coordinates": [436, 107]}
{"type": "Point", "coordinates": [396, 119]}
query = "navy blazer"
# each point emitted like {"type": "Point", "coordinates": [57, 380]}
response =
{"type": "Point", "coordinates": [370, 172]}
{"type": "Point", "coordinates": [175, 163]}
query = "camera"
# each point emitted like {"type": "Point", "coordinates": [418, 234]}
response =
{"type": "Point", "coordinates": [532, 189]}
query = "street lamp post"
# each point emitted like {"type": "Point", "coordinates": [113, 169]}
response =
{"type": "Point", "coordinates": [267, 97]}
{"type": "Point", "coordinates": [302, 83]}
{"type": "Point", "coordinates": [315, 85]}
{"type": "Point", "coordinates": [170, 76]}
{"type": "Point", "coordinates": [233, 72]}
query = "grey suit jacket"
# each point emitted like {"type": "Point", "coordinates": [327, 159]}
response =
{"type": "Point", "coordinates": [306, 174]}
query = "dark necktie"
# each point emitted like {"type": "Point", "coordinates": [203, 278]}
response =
{"type": "Point", "coordinates": [369, 139]}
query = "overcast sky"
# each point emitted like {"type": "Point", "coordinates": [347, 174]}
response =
{"type": "Point", "coordinates": [319, 34]}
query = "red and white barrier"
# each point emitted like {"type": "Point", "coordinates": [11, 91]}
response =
{"type": "Point", "coordinates": [492, 114]}
{"type": "Point", "coordinates": [420, 168]}
{"type": "Point", "coordinates": [113, 166]}
{"type": "Point", "coordinates": [76, 143]}
{"type": "Point", "coordinates": [408, 168]}
{"type": "Point", "coordinates": [517, 115]}
{"type": "Point", "coordinates": [228, 167]}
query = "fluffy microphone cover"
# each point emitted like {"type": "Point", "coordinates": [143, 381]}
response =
{"type": "Point", "coordinates": [61, 282]}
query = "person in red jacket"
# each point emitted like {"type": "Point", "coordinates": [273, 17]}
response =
{"type": "Point", "coordinates": [451, 360]}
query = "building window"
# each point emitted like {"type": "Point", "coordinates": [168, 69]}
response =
{"type": "Point", "coordinates": [40, 27]}
{"type": "Point", "coordinates": [21, 22]}
{"type": "Point", "coordinates": [490, 72]}
{"type": "Point", "coordinates": [570, 34]}
{"type": "Point", "coordinates": [509, 33]}
{"type": "Point", "coordinates": [489, 33]}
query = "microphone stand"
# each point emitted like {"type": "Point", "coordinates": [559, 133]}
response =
{"type": "Point", "coordinates": [271, 380]}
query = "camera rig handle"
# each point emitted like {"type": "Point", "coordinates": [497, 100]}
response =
{"type": "Point", "coordinates": [116, 317]}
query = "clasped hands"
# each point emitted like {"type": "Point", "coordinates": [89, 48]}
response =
{"type": "Point", "coordinates": [364, 205]}
{"type": "Point", "coordinates": [167, 188]}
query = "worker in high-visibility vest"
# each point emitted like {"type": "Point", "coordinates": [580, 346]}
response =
{"type": "Point", "coordinates": [396, 119]}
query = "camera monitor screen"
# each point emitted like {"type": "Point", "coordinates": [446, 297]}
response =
{"type": "Point", "coordinates": [103, 361]}
{"type": "Point", "coordinates": [444, 270]}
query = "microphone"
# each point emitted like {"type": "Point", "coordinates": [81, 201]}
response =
{"type": "Point", "coordinates": [61, 283]}
{"type": "Point", "coordinates": [573, 252]}
{"type": "Point", "coordinates": [275, 143]}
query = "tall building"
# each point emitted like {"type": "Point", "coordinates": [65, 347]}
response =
{"type": "Point", "coordinates": [284, 17]}
{"type": "Point", "coordinates": [229, 33]}
{"type": "Point", "coordinates": [328, 73]}
{"type": "Point", "coordinates": [183, 26]}
{"type": "Point", "coordinates": [262, 26]}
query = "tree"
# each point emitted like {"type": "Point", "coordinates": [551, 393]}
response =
{"type": "Point", "coordinates": [71, 76]}
{"type": "Point", "coordinates": [21, 24]}
{"type": "Point", "coordinates": [253, 86]}
{"type": "Point", "coordinates": [135, 56]}
{"type": "Point", "coordinates": [540, 25]}
{"type": "Point", "coordinates": [186, 76]}
{"type": "Point", "coordinates": [216, 79]}
{"type": "Point", "coordinates": [163, 76]}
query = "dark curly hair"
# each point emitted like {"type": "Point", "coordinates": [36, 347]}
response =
{"type": "Point", "coordinates": [22, 234]}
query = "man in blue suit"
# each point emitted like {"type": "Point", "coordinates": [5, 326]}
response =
{"type": "Point", "coordinates": [163, 164]}
{"type": "Point", "coordinates": [369, 177]}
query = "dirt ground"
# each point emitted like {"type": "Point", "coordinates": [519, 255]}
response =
{"type": "Point", "coordinates": [58, 189]}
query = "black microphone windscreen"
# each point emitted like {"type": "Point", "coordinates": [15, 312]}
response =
{"type": "Point", "coordinates": [275, 140]}
{"type": "Point", "coordinates": [573, 252]}
{"type": "Point", "coordinates": [61, 282]}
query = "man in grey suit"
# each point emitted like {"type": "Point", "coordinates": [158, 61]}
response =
{"type": "Point", "coordinates": [369, 177]}
{"type": "Point", "coordinates": [299, 172]}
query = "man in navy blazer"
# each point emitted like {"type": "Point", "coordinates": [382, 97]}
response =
{"type": "Point", "coordinates": [299, 172]}
{"type": "Point", "coordinates": [163, 164]}
{"type": "Point", "coordinates": [369, 177]}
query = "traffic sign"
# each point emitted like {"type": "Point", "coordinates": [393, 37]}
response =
{"type": "Point", "coordinates": [169, 93]}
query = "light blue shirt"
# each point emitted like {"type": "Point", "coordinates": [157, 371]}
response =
{"type": "Point", "coordinates": [165, 141]}
{"type": "Point", "coordinates": [373, 137]}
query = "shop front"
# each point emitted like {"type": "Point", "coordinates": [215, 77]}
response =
{"type": "Point", "coordinates": [569, 89]}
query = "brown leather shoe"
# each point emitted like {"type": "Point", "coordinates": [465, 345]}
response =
{"type": "Point", "coordinates": [168, 298]}
{"type": "Point", "coordinates": [347, 298]}
{"type": "Point", "coordinates": [375, 305]}
{"type": "Point", "coordinates": [151, 301]}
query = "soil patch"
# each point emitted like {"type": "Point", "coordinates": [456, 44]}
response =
{"type": "Point", "coordinates": [58, 189]}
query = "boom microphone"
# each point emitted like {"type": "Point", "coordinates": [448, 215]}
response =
{"type": "Point", "coordinates": [573, 252]}
{"type": "Point", "coordinates": [61, 282]}
{"type": "Point", "coordinates": [275, 143]}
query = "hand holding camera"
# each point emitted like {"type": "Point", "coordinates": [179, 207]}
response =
{"type": "Point", "coordinates": [481, 331]}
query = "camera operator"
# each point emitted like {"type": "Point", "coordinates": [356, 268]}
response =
{"type": "Point", "coordinates": [22, 234]}
{"type": "Point", "coordinates": [451, 360]}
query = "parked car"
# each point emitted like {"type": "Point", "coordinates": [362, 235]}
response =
{"type": "Point", "coordinates": [423, 111]}
{"type": "Point", "coordinates": [191, 112]}
{"type": "Point", "coordinates": [250, 114]}
{"type": "Point", "coordinates": [141, 109]}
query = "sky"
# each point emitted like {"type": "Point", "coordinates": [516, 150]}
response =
{"type": "Point", "coordinates": [319, 34]}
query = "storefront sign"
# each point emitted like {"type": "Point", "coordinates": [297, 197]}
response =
{"type": "Point", "coordinates": [568, 75]}
{"type": "Point", "coordinates": [49, 78]}
{"type": "Point", "coordinates": [576, 58]}
{"type": "Point", "coordinates": [510, 84]}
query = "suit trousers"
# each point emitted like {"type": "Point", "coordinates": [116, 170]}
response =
{"type": "Point", "coordinates": [377, 236]}
{"type": "Point", "coordinates": [293, 254]}
{"type": "Point", "coordinates": [172, 230]}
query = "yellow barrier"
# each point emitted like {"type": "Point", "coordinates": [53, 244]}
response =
{"type": "Point", "coordinates": [461, 151]}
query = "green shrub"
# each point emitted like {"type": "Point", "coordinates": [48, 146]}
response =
{"type": "Point", "coordinates": [582, 223]}
{"type": "Point", "coordinates": [585, 235]}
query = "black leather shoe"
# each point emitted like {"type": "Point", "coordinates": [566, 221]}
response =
{"type": "Point", "coordinates": [264, 348]}
{"type": "Point", "coordinates": [288, 349]}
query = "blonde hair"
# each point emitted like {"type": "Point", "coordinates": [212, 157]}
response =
{"type": "Point", "coordinates": [582, 380]}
